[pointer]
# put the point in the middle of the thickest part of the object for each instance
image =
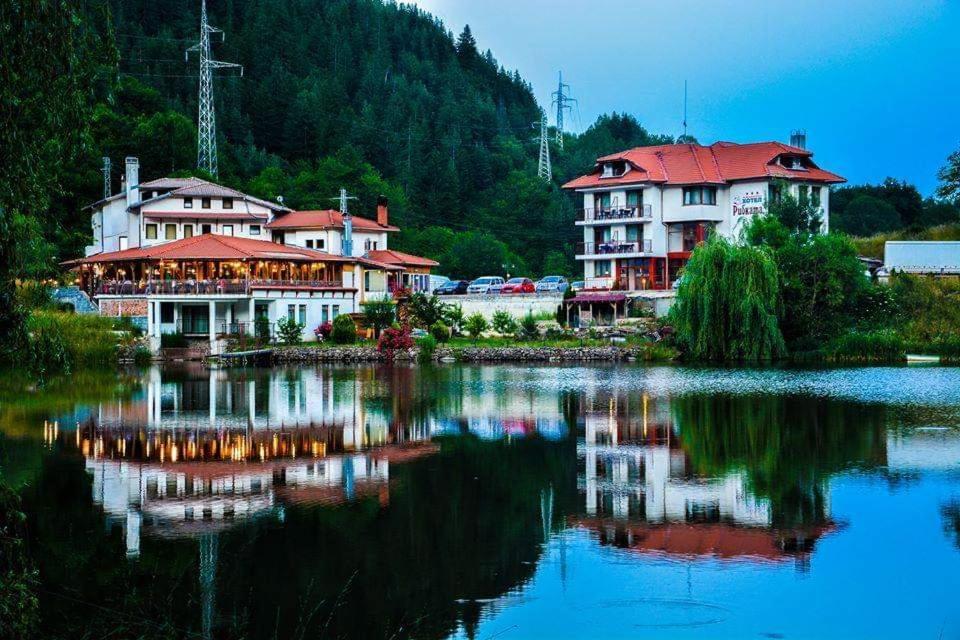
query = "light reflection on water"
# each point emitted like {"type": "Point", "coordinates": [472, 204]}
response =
{"type": "Point", "coordinates": [509, 501]}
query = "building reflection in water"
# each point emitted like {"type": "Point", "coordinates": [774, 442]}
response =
{"type": "Point", "coordinates": [641, 492]}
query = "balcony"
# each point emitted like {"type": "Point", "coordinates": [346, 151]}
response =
{"type": "Point", "coordinates": [614, 248]}
{"type": "Point", "coordinates": [205, 287]}
{"type": "Point", "coordinates": [615, 214]}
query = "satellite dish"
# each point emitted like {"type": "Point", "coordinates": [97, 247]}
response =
{"type": "Point", "coordinates": [280, 199]}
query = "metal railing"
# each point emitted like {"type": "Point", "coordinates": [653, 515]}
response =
{"type": "Point", "coordinates": [259, 328]}
{"type": "Point", "coordinates": [204, 287]}
{"type": "Point", "coordinates": [616, 213]}
{"type": "Point", "coordinates": [613, 247]}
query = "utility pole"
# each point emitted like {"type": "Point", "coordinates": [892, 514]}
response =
{"type": "Point", "coordinates": [544, 171]}
{"type": "Point", "coordinates": [106, 177]}
{"type": "Point", "coordinates": [563, 101]}
{"type": "Point", "coordinates": [206, 120]}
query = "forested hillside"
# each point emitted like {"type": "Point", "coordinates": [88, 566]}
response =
{"type": "Point", "coordinates": [375, 97]}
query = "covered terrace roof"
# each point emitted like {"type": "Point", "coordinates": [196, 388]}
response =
{"type": "Point", "coordinates": [214, 247]}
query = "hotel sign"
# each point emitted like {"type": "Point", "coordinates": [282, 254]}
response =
{"type": "Point", "coordinates": [748, 203]}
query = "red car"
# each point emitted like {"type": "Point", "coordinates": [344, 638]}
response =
{"type": "Point", "coordinates": [519, 285]}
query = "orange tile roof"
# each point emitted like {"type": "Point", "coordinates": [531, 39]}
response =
{"type": "Point", "coordinates": [719, 163]}
{"type": "Point", "coordinates": [216, 247]}
{"type": "Point", "coordinates": [398, 257]}
{"type": "Point", "coordinates": [324, 219]}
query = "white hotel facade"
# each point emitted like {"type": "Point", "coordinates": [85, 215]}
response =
{"type": "Point", "coordinates": [645, 209]}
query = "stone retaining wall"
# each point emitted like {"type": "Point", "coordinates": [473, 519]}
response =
{"type": "Point", "coordinates": [467, 354]}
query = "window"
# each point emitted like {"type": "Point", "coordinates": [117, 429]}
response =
{"type": "Point", "coordinates": [634, 198]}
{"type": "Point", "coordinates": [205, 203]}
{"type": "Point", "coordinates": [188, 231]}
{"type": "Point", "coordinates": [254, 229]}
{"type": "Point", "coordinates": [815, 196]}
{"type": "Point", "coordinates": [324, 314]}
{"type": "Point", "coordinates": [309, 244]}
{"type": "Point", "coordinates": [804, 195]}
{"type": "Point", "coordinates": [228, 203]}
{"type": "Point", "coordinates": [302, 319]}
{"type": "Point", "coordinates": [150, 232]}
{"type": "Point", "coordinates": [699, 195]}
{"type": "Point", "coordinates": [227, 229]}
{"type": "Point", "coordinates": [188, 203]}
{"type": "Point", "coordinates": [371, 245]}
{"type": "Point", "coordinates": [773, 194]}
{"type": "Point", "coordinates": [124, 243]}
{"type": "Point", "coordinates": [601, 268]}
{"type": "Point", "coordinates": [321, 243]}
{"type": "Point", "coordinates": [170, 231]}
{"type": "Point", "coordinates": [292, 311]}
{"type": "Point", "coordinates": [634, 233]}
{"type": "Point", "coordinates": [166, 313]}
{"type": "Point", "coordinates": [366, 281]}
{"type": "Point", "coordinates": [335, 312]}
{"type": "Point", "coordinates": [206, 228]}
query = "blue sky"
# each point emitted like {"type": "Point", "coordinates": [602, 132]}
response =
{"type": "Point", "coordinates": [874, 82]}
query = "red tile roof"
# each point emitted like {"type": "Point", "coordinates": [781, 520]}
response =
{"type": "Point", "coordinates": [205, 215]}
{"type": "Point", "coordinates": [216, 247]}
{"type": "Point", "coordinates": [325, 219]}
{"type": "Point", "coordinates": [719, 163]}
{"type": "Point", "coordinates": [400, 258]}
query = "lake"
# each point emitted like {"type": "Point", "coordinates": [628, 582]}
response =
{"type": "Point", "coordinates": [492, 502]}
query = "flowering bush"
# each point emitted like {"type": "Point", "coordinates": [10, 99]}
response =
{"type": "Point", "coordinates": [323, 331]}
{"type": "Point", "coordinates": [393, 340]}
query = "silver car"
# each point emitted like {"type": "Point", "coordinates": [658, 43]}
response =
{"type": "Point", "coordinates": [551, 284]}
{"type": "Point", "coordinates": [482, 285]}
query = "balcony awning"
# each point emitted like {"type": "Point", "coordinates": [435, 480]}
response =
{"type": "Point", "coordinates": [586, 298]}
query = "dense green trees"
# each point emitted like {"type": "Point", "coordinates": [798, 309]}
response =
{"type": "Point", "coordinates": [864, 210]}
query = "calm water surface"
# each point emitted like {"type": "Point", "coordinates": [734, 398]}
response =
{"type": "Point", "coordinates": [492, 502]}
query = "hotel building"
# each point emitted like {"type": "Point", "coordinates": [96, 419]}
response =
{"type": "Point", "coordinates": [645, 209]}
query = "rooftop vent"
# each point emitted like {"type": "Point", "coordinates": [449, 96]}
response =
{"type": "Point", "coordinates": [798, 138]}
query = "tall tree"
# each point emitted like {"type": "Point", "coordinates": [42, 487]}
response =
{"type": "Point", "coordinates": [950, 178]}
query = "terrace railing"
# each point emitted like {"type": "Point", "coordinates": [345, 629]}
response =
{"type": "Point", "coordinates": [638, 213]}
{"type": "Point", "coordinates": [204, 287]}
{"type": "Point", "coordinates": [610, 247]}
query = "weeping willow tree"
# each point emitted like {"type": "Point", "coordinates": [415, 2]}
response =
{"type": "Point", "coordinates": [726, 306]}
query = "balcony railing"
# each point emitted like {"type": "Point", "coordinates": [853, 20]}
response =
{"type": "Point", "coordinates": [614, 247]}
{"type": "Point", "coordinates": [616, 214]}
{"type": "Point", "coordinates": [204, 287]}
{"type": "Point", "coordinates": [260, 328]}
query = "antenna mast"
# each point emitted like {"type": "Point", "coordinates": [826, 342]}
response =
{"type": "Point", "coordinates": [544, 171]}
{"type": "Point", "coordinates": [563, 101]}
{"type": "Point", "coordinates": [684, 110]}
{"type": "Point", "coordinates": [207, 120]}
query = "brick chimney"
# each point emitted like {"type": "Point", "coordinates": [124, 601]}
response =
{"type": "Point", "coordinates": [382, 212]}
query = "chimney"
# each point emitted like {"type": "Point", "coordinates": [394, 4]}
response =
{"type": "Point", "coordinates": [132, 183]}
{"type": "Point", "coordinates": [382, 211]}
{"type": "Point", "coordinates": [798, 138]}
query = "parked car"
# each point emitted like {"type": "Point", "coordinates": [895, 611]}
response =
{"type": "Point", "coordinates": [482, 285]}
{"type": "Point", "coordinates": [578, 285]}
{"type": "Point", "coordinates": [452, 288]}
{"type": "Point", "coordinates": [676, 283]}
{"type": "Point", "coordinates": [518, 285]}
{"type": "Point", "coordinates": [437, 281]}
{"type": "Point", "coordinates": [551, 284]}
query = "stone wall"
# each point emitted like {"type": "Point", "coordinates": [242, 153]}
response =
{"type": "Point", "coordinates": [611, 353]}
{"type": "Point", "coordinates": [116, 307]}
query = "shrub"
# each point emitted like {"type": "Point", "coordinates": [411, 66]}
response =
{"type": "Point", "coordinates": [440, 331]}
{"type": "Point", "coordinates": [454, 318]}
{"type": "Point", "coordinates": [393, 340]}
{"type": "Point", "coordinates": [426, 311]}
{"type": "Point", "coordinates": [18, 578]}
{"type": "Point", "coordinates": [344, 330]}
{"type": "Point", "coordinates": [503, 323]}
{"type": "Point", "coordinates": [323, 331]}
{"type": "Point", "coordinates": [34, 295]}
{"type": "Point", "coordinates": [528, 329]}
{"type": "Point", "coordinates": [289, 330]}
{"type": "Point", "coordinates": [379, 314]}
{"type": "Point", "coordinates": [428, 346]}
{"type": "Point", "coordinates": [475, 325]}
{"type": "Point", "coordinates": [561, 315]}
{"type": "Point", "coordinates": [261, 327]}
{"type": "Point", "coordinates": [142, 356]}
{"type": "Point", "coordinates": [173, 341]}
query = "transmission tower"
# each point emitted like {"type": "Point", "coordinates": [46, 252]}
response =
{"type": "Point", "coordinates": [562, 100]}
{"type": "Point", "coordinates": [106, 177]}
{"type": "Point", "coordinates": [544, 170]}
{"type": "Point", "coordinates": [207, 120]}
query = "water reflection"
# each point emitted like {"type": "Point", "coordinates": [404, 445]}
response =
{"type": "Point", "coordinates": [377, 502]}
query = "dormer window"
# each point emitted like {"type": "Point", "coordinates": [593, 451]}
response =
{"type": "Point", "coordinates": [613, 169]}
{"type": "Point", "coordinates": [792, 162]}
